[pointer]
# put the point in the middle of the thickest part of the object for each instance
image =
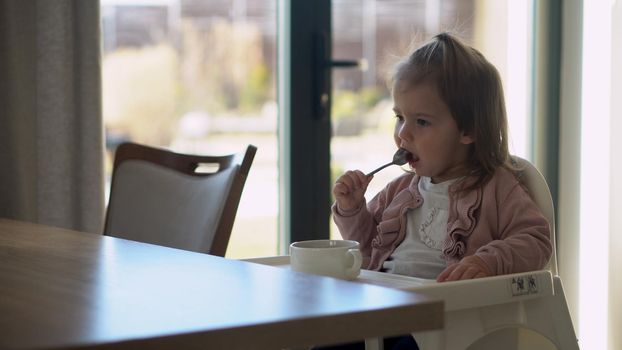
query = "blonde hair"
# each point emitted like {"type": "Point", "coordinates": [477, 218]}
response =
{"type": "Point", "coordinates": [471, 87]}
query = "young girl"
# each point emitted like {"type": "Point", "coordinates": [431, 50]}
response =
{"type": "Point", "coordinates": [462, 213]}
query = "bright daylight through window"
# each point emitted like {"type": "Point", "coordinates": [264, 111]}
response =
{"type": "Point", "coordinates": [200, 77]}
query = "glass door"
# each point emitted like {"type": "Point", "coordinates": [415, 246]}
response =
{"type": "Point", "coordinates": [380, 32]}
{"type": "Point", "coordinates": [201, 77]}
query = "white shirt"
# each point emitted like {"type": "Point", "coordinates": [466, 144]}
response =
{"type": "Point", "coordinates": [420, 254]}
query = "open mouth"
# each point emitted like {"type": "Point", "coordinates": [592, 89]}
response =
{"type": "Point", "coordinates": [409, 157]}
{"type": "Point", "coordinates": [412, 160]}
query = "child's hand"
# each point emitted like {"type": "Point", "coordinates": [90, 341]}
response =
{"type": "Point", "coordinates": [469, 267]}
{"type": "Point", "coordinates": [349, 189]}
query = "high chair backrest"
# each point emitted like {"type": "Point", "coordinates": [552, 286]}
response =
{"type": "Point", "coordinates": [176, 200]}
{"type": "Point", "coordinates": [539, 191]}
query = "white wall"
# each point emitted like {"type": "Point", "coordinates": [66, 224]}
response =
{"type": "Point", "coordinates": [615, 238]}
{"type": "Point", "coordinates": [590, 203]}
{"type": "Point", "coordinates": [569, 150]}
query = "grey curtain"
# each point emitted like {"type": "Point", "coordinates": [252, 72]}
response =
{"type": "Point", "coordinates": [51, 133]}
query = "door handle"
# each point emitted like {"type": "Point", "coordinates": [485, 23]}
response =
{"type": "Point", "coordinates": [360, 64]}
{"type": "Point", "coordinates": [322, 79]}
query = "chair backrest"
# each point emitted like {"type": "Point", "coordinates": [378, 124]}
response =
{"type": "Point", "coordinates": [162, 197]}
{"type": "Point", "coordinates": [539, 191]}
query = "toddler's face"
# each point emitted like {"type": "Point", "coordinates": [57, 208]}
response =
{"type": "Point", "coordinates": [425, 127]}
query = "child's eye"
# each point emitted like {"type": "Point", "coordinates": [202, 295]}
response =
{"type": "Point", "coordinates": [422, 122]}
{"type": "Point", "coordinates": [399, 117]}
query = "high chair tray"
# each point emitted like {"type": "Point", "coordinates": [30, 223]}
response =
{"type": "Point", "coordinates": [459, 294]}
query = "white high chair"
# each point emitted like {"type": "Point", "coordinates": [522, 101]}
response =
{"type": "Point", "coordinates": [479, 312]}
{"type": "Point", "coordinates": [485, 308]}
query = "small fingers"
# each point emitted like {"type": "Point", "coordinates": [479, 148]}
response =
{"type": "Point", "coordinates": [353, 180]}
{"type": "Point", "coordinates": [349, 190]}
{"type": "Point", "coordinates": [461, 271]}
{"type": "Point", "coordinates": [340, 189]}
{"type": "Point", "coordinates": [457, 273]}
{"type": "Point", "coordinates": [359, 179]}
{"type": "Point", "coordinates": [470, 272]}
{"type": "Point", "coordinates": [443, 275]}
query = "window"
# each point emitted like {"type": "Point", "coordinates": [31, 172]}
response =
{"type": "Point", "coordinates": [381, 32]}
{"type": "Point", "coordinates": [199, 77]}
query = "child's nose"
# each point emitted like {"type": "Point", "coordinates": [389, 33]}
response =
{"type": "Point", "coordinates": [404, 133]}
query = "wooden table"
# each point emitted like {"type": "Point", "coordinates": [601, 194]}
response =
{"type": "Point", "coordinates": [62, 288]}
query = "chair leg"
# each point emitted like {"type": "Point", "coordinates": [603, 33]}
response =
{"type": "Point", "coordinates": [374, 344]}
{"type": "Point", "coordinates": [566, 336]}
{"type": "Point", "coordinates": [547, 316]}
{"type": "Point", "coordinates": [430, 340]}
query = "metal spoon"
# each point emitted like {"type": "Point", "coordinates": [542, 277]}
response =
{"type": "Point", "coordinates": [400, 157]}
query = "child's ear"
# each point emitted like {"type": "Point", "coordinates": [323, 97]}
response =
{"type": "Point", "coordinates": [466, 138]}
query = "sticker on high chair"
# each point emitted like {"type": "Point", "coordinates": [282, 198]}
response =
{"type": "Point", "coordinates": [524, 285]}
{"type": "Point", "coordinates": [533, 286]}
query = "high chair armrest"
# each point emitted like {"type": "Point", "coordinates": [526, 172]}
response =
{"type": "Point", "coordinates": [457, 294]}
{"type": "Point", "coordinates": [490, 290]}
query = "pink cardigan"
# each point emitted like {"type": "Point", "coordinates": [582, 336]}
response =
{"type": "Point", "coordinates": [498, 222]}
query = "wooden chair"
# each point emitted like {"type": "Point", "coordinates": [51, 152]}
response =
{"type": "Point", "coordinates": [176, 200]}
